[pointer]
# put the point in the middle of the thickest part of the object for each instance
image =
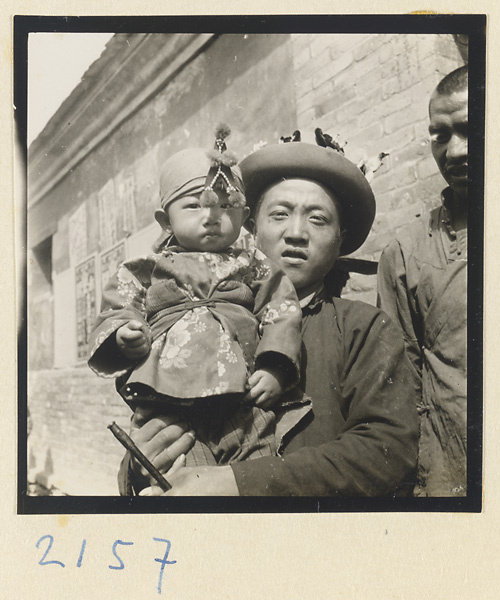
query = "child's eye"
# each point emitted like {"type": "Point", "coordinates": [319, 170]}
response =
{"type": "Point", "coordinates": [226, 206]}
{"type": "Point", "coordinates": [193, 205]}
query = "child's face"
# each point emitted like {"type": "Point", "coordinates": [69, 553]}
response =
{"type": "Point", "coordinates": [204, 229]}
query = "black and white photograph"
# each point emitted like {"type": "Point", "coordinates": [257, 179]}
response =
{"type": "Point", "coordinates": [300, 188]}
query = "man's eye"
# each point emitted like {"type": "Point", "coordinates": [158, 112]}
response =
{"type": "Point", "coordinates": [318, 219]}
{"type": "Point", "coordinates": [278, 214]}
{"type": "Point", "coordinates": [440, 136]}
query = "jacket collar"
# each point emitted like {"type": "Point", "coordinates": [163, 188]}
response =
{"type": "Point", "coordinates": [316, 300]}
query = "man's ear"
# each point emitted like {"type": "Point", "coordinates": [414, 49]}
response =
{"type": "Point", "coordinates": [246, 213]}
{"type": "Point", "coordinates": [162, 217]}
{"type": "Point", "coordinates": [250, 222]}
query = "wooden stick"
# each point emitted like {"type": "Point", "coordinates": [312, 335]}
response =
{"type": "Point", "coordinates": [127, 443]}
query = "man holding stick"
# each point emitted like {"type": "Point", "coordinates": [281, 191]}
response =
{"type": "Point", "coordinates": [310, 205]}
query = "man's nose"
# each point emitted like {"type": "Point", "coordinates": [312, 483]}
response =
{"type": "Point", "coordinates": [296, 229]}
{"type": "Point", "coordinates": [457, 147]}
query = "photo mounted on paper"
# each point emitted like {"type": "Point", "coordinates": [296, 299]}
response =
{"type": "Point", "coordinates": [214, 223]}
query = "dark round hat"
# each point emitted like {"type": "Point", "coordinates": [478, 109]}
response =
{"type": "Point", "coordinates": [298, 160]}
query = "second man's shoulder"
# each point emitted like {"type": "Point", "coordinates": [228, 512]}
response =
{"type": "Point", "coordinates": [417, 233]}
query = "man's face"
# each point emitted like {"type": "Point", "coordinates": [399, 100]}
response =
{"type": "Point", "coordinates": [298, 228]}
{"type": "Point", "coordinates": [448, 130]}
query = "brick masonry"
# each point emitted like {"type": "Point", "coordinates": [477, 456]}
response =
{"type": "Point", "coordinates": [371, 91]}
{"type": "Point", "coordinates": [69, 445]}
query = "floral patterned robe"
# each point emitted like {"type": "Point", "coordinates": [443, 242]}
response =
{"type": "Point", "coordinates": [212, 318]}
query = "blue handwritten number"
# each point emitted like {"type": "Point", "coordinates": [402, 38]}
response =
{"type": "Point", "coordinates": [44, 562]}
{"type": "Point", "coordinates": [163, 561]}
{"type": "Point", "coordinates": [121, 566]}
{"type": "Point", "coordinates": [82, 550]}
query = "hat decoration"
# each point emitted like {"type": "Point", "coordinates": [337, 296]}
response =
{"type": "Point", "coordinates": [220, 175]}
{"type": "Point", "coordinates": [295, 137]}
{"type": "Point", "coordinates": [326, 141]}
{"type": "Point", "coordinates": [325, 163]}
{"type": "Point", "coordinates": [322, 139]}
{"type": "Point", "coordinates": [367, 166]}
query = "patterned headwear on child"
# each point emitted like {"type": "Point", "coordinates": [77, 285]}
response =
{"type": "Point", "coordinates": [195, 171]}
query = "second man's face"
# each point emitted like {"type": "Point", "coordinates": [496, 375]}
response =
{"type": "Point", "coordinates": [449, 139]}
{"type": "Point", "coordinates": [298, 228]}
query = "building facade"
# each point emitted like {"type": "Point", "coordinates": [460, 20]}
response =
{"type": "Point", "coordinates": [93, 177]}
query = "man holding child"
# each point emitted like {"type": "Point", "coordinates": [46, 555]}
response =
{"type": "Point", "coordinates": [308, 206]}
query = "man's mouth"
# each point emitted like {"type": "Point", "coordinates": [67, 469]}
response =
{"type": "Point", "coordinates": [457, 171]}
{"type": "Point", "coordinates": [293, 256]}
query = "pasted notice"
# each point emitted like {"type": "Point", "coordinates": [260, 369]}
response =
{"type": "Point", "coordinates": [85, 278]}
{"type": "Point", "coordinates": [110, 261]}
{"type": "Point", "coordinates": [126, 191]}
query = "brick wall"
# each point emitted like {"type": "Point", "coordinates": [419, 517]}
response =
{"type": "Point", "coordinates": [70, 446]}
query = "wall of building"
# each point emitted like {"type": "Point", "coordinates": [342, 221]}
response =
{"type": "Point", "coordinates": [93, 185]}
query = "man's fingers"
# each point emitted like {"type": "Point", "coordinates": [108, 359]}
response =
{"type": "Point", "coordinates": [153, 490]}
{"type": "Point", "coordinates": [135, 324]}
{"type": "Point", "coordinates": [161, 438]}
{"type": "Point", "coordinates": [179, 462]}
{"type": "Point", "coordinates": [167, 456]}
{"type": "Point", "coordinates": [165, 429]}
{"type": "Point", "coordinates": [158, 440]}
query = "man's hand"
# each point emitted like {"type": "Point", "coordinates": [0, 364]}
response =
{"type": "Point", "coordinates": [266, 387]}
{"type": "Point", "coordinates": [132, 341]}
{"type": "Point", "coordinates": [200, 481]}
{"type": "Point", "coordinates": [161, 438]}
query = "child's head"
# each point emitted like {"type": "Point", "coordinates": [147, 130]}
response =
{"type": "Point", "coordinates": [203, 228]}
{"type": "Point", "coordinates": [202, 201]}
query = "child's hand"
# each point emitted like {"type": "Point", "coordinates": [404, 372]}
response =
{"type": "Point", "coordinates": [132, 341]}
{"type": "Point", "coordinates": [265, 386]}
